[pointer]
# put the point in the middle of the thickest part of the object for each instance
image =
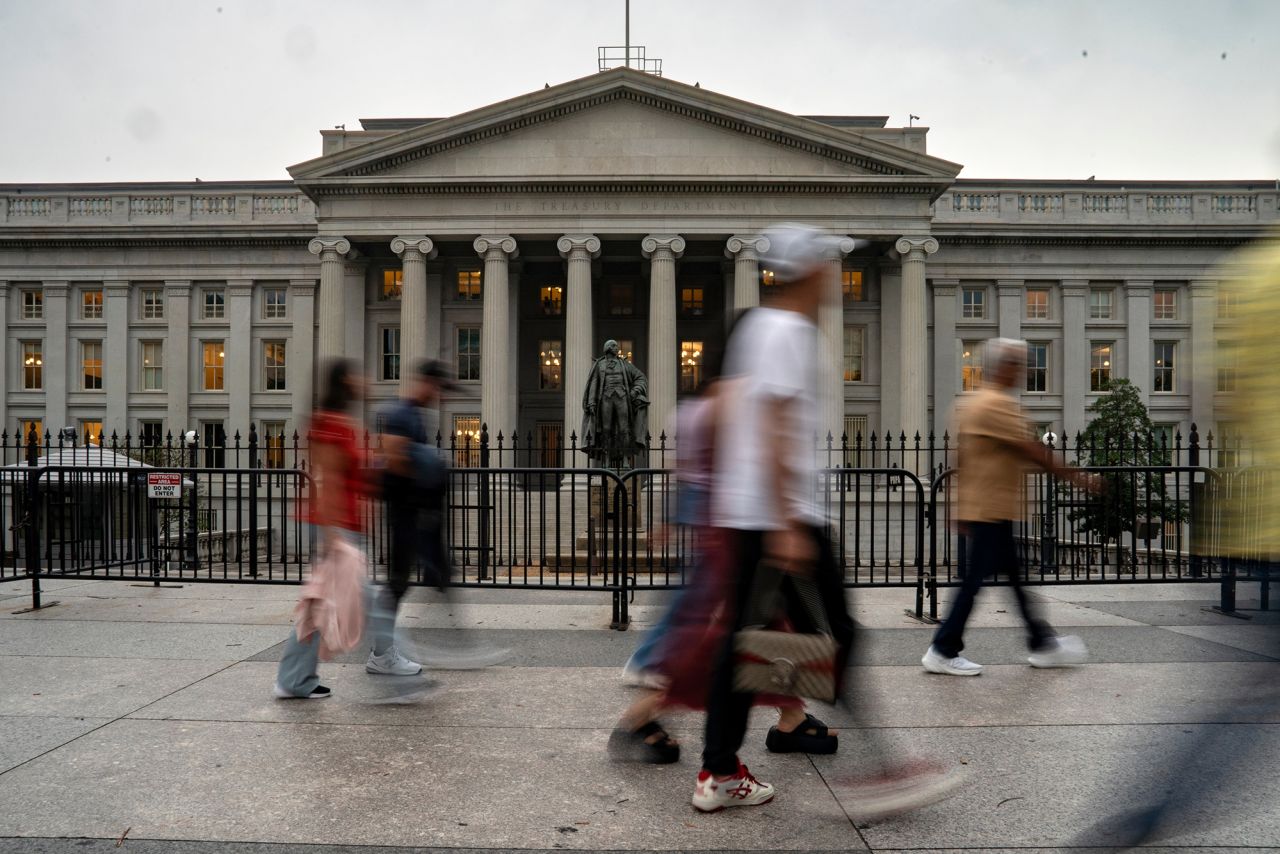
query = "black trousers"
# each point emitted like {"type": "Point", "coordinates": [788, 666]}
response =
{"type": "Point", "coordinates": [728, 710]}
{"type": "Point", "coordinates": [991, 551]}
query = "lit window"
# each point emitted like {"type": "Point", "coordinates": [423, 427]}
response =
{"type": "Point", "coordinates": [1099, 367]}
{"type": "Point", "coordinates": [971, 365]}
{"type": "Point", "coordinates": [466, 440]}
{"type": "Point", "coordinates": [973, 303]}
{"type": "Point", "coordinates": [1037, 367]}
{"type": "Point", "coordinates": [549, 355]}
{"type": "Point", "coordinates": [1165, 304]}
{"type": "Point", "coordinates": [151, 433]}
{"type": "Point", "coordinates": [272, 439]}
{"type": "Point", "coordinates": [1163, 379]}
{"type": "Point", "coordinates": [215, 304]}
{"type": "Point", "coordinates": [1226, 366]}
{"type": "Point", "coordinates": [152, 304]}
{"type": "Point", "coordinates": [626, 348]}
{"type": "Point", "coordinates": [214, 356]}
{"type": "Point", "coordinates": [27, 426]}
{"type": "Point", "coordinates": [392, 285]}
{"type": "Point", "coordinates": [1100, 304]}
{"type": "Point", "coordinates": [551, 298]}
{"type": "Point", "coordinates": [1037, 304]}
{"type": "Point", "coordinates": [33, 365]}
{"type": "Point", "coordinates": [91, 365]}
{"type": "Point", "coordinates": [468, 284]}
{"type": "Point", "coordinates": [33, 305]}
{"type": "Point", "coordinates": [622, 299]}
{"type": "Point", "coordinates": [768, 278]}
{"type": "Point", "coordinates": [273, 366]}
{"type": "Point", "coordinates": [853, 347]}
{"type": "Point", "coordinates": [91, 304]}
{"type": "Point", "coordinates": [273, 303]}
{"type": "Point", "coordinates": [690, 365]}
{"type": "Point", "coordinates": [851, 285]}
{"type": "Point", "coordinates": [91, 432]}
{"type": "Point", "coordinates": [152, 365]}
{"type": "Point", "coordinates": [389, 358]}
{"type": "Point", "coordinates": [691, 301]}
{"type": "Point", "coordinates": [468, 352]}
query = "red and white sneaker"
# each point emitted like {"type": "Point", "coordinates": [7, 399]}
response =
{"type": "Point", "coordinates": [740, 789]}
{"type": "Point", "coordinates": [897, 789]}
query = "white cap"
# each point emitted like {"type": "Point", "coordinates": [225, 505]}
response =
{"type": "Point", "coordinates": [797, 250]}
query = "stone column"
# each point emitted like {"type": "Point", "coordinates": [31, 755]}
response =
{"type": "Point", "coordinates": [116, 359]}
{"type": "Point", "coordinates": [1010, 307]}
{"type": "Point", "coordinates": [177, 357]}
{"type": "Point", "coordinates": [56, 357]}
{"type": "Point", "coordinates": [1203, 358]}
{"type": "Point", "coordinates": [662, 250]}
{"type": "Point", "coordinates": [745, 250]}
{"type": "Point", "coordinates": [1139, 367]}
{"type": "Point", "coordinates": [301, 350]}
{"type": "Point", "coordinates": [831, 347]}
{"type": "Point", "coordinates": [331, 341]}
{"type": "Point", "coordinates": [5, 426]}
{"type": "Point", "coordinates": [945, 369]}
{"type": "Point", "coordinates": [238, 375]}
{"type": "Point", "coordinates": [496, 379]}
{"type": "Point", "coordinates": [413, 252]}
{"type": "Point", "coordinates": [579, 348]}
{"type": "Point", "coordinates": [913, 329]}
{"type": "Point", "coordinates": [1075, 356]}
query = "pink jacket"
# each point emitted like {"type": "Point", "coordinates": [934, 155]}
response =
{"type": "Point", "coordinates": [332, 601]}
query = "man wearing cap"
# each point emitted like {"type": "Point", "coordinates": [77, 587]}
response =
{"type": "Point", "coordinates": [413, 491]}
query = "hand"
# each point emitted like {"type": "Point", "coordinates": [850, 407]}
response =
{"type": "Point", "coordinates": [793, 549]}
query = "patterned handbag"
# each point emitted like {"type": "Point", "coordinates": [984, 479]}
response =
{"type": "Point", "coordinates": [777, 662]}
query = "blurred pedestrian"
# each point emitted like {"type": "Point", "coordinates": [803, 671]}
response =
{"type": "Point", "coordinates": [995, 449]}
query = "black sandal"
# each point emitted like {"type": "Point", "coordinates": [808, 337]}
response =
{"type": "Point", "coordinates": [635, 746]}
{"type": "Point", "coordinates": [812, 736]}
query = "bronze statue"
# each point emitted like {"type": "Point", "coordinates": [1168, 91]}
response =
{"type": "Point", "coordinates": [615, 406]}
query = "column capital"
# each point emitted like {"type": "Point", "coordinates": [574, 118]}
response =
{"type": "Point", "coordinates": [839, 246]}
{"type": "Point", "coordinates": [496, 244]}
{"type": "Point", "coordinates": [116, 288]}
{"type": "Point", "coordinates": [661, 243]}
{"type": "Point", "coordinates": [302, 287]}
{"type": "Point", "coordinates": [1203, 287]}
{"type": "Point", "coordinates": [916, 248]}
{"type": "Point", "coordinates": [578, 246]}
{"type": "Point", "coordinates": [945, 287]}
{"type": "Point", "coordinates": [56, 288]}
{"type": "Point", "coordinates": [747, 245]}
{"type": "Point", "coordinates": [414, 243]}
{"type": "Point", "coordinates": [320, 245]}
{"type": "Point", "coordinates": [1009, 287]}
{"type": "Point", "coordinates": [1139, 287]}
{"type": "Point", "coordinates": [239, 287]}
{"type": "Point", "coordinates": [1075, 287]}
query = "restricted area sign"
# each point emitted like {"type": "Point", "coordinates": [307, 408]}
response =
{"type": "Point", "coordinates": [164, 484]}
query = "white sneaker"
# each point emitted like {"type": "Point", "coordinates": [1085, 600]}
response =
{"type": "Point", "coordinates": [935, 662]}
{"type": "Point", "coordinates": [639, 677]}
{"type": "Point", "coordinates": [741, 790]}
{"type": "Point", "coordinates": [391, 663]}
{"type": "Point", "coordinates": [1065, 651]}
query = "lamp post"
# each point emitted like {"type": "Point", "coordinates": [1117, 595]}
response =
{"type": "Point", "coordinates": [1049, 514]}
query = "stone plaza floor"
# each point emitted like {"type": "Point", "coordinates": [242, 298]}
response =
{"type": "Point", "coordinates": [148, 710]}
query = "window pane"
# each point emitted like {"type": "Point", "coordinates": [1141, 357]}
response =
{"type": "Point", "coordinates": [974, 302]}
{"type": "Point", "coordinates": [466, 440]}
{"type": "Point", "coordinates": [152, 365]}
{"type": "Point", "coordinates": [768, 279]}
{"type": "Point", "coordinates": [690, 365]}
{"type": "Point", "coordinates": [971, 366]}
{"type": "Point", "coordinates": [152, 304]}
{"type": "Point", "coordinates": [213, 363]}
{"type": "Point", "coordinates": [271, 440]}
{"type": "Point", "coordinates": [390, 357]}
{"type": "Point", "coordinates": [91, 306]}
{"type": "Point", "coordinates": [691, 301]}
{"type": "Point", "coordinates": [32, 305]}
{"type": "Point", "coordinates": [468, 284]}
{"type": "Point", "coordinates": [551, 298]}
{"type": "Point", "coordinates": [33, 365]}
{"type": "Point", "coordinates": [851, 285]}
{"type": "Point", "coordinates": [1037, 367]}
{"type": "Point", "coordinates": [214, 438]}
{"type": "Point", "coordinates": [626, 348]}
{"type": "Point", "coordinates": [549, 356]}
{"type": "Point", "coordinates": [1100, 304]}
{"type": "Point", "coordinates": [214, 304]}
{"type": "Point", "coordinates": [392, 284]}
{"type": "Point", "coordinates": [151, 434]}
{"type": "Point", "coordinates": [1162, 381]}
{"type": "Point", "coordinates": [273, 361]}
{"type": "Point", "coordinates": [622, 298]}
{"type": "Point", "coordinates": [1037, 304]}
{"type": "Point", "coordinates": [274, 303]}
{"type": "Point", "coordinates": [91, 365]}
{"type": "Point", "coordinates": [468, 352]}
{"type": "Point", "coordinates": [90, 432]}
{"type": "Point", "coordinates": [853, 346]}
{"type": "Point", "coordinates": [27, 425]}
{"type": "Point", "coordinates": [1099, 367]}
{"type": "Point", "coordinates": [1166, 305]}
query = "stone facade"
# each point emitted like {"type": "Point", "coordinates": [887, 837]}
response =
{"type": "Point", "coordinates": [512, 240]}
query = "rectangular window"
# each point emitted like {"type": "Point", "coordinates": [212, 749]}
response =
{"type": "Point", "coordinates": [91, 365]}
{"type": "Point", "coordinates": [626, 349]}
{"type": "Point", "coordinates": [854, 342]}
{"type": "Point", "coordinates": [1162, 436]}
{"type": "Point", "coordinates": [622, 299]}
{"type": "Point", "coordinates": [469, 352]}
{"type": "Point", "coordinates": [691, 301]}
{"type": "Point", "coordinates": [551, 297]}
{"type": "Point", "coordinates": [392, 284]}
{"type": "Point", "coordinates": [273, 366]}
{"type": "Point", "coordinates": [91, 304]}
{"type": "Point", "coordinates": [389, 355]}
{"type": "Point", "coordinates": [33, 365]}
{"type": "Point", "coordinates": [213, 436]}
{"type": "Point", "coordinates": [1037, 304]}
{"type": "Point", "coordinates": [469, 285]}
{"type": "Point", "coordinates": [215, 304]}
{"type": "Point", "coordinates": [1099, 367]}
{"type": "Point", "coordinates": [550, 443]}
{"type": "Point", "coordinates": [973, 303]}
{"type": "Point", "coordinates": [33, 305]}
{"type": "Point", "coordinates": [274, 302]}
{"type": "Point", "coordinates": [90, 432]}
{"type": "Point", "coordinates": [1226, 362]}
{"type": "Point", "coordinates": [272, 443]}
{"type": "Point", "coordinates": [1100, 303]}
{"type": "Point", "coordinates": [152, 304]}
{"type": "Point", "coordinates": [690, 365]}
{"type": "Point", "coordinates": [549, 356]}
{"type": "Point", "coordinates": [466, 440]}
{"type": "Point", "coordinates": [1037, 367]}
{"type": "Point", "coordinates": [151, 434]}
{"type": "Point", "coordinates": [971, 365]}
{"type": "Point", "coordinates": [25, 428]}
{"type": "Point", "coordinates": [152, 365]}
{"type": "Point", "coordinates": [851, 285]}
{"type": "Point", "coordinates": [1162, 381]}
{"type": "Point", "coordinates": [1165, 303]}
{"type": "Point", "coordinates": [214, 356]}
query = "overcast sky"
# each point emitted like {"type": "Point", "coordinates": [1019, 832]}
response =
{"type": "Point", "coordinates": [135, 90]}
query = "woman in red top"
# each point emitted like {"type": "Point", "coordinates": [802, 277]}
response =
{"type": "Point", "coordinates": [338, 483]}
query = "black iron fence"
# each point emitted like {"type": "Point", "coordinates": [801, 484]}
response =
{"type": "Point", "coordinates": [184, 510]}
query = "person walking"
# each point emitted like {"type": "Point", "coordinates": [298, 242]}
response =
{"type": "Point", "coordinates": [995, 451]}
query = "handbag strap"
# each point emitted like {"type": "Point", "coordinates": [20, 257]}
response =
{"type": "Point", "coordinates": [766, 600]}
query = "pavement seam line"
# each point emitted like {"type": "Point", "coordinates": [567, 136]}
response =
{"type": "Point", "coordinates": [853, 824]}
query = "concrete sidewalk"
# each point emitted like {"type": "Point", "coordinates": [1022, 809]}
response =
{"type": "Point", "coordinates": [127, 707]}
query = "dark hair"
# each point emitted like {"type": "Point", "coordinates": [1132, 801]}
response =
{"type": "Point", "coordinates": [336, 395]}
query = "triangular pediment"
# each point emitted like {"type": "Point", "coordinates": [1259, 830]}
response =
{"type": "Point", "coordinates": [621, 125]}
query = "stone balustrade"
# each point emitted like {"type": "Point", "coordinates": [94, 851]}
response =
{"type": "Point", "coordinates": [52, 207]}
{"type": "Point", "coordinates": [1110, 204]}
